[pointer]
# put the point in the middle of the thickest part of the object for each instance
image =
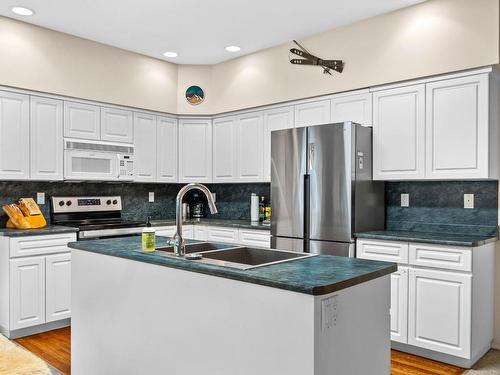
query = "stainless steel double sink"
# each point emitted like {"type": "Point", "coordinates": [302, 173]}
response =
{"type": "Point", "coordinates": [240, 257]}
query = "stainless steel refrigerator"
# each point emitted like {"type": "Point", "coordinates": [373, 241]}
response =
{"type": "Point", "coordinates": [322, 189]}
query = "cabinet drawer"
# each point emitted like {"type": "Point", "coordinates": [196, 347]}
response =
{"type": "Point", "coordinates": [446, 257]}
{"type": "Point", "coordinates": [39, 245]}
{"type": "Point", "coordinates": [261, 238]}
{"type": "Point", "coordinates": [187, 231]}
{"type": "Point", "coordinates": [200, 232]}
{"type": "Point", "coordinates": [221, 234]}
{"type": "Point", "coordinates": [389, 251]}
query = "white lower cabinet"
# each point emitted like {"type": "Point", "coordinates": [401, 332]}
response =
{"type": "Point", "coordinates": [35, 283]}
{"type": "Point", "coordinates": [399, 305]}
{"type": "Point", "coordinates": [57, 287]}
{"type": "Point", "coordinates": [27, 292]}
{"type": "Point", "coordinates": [441, 298]}
{"type": "Point", "coordinates": [439, 306]}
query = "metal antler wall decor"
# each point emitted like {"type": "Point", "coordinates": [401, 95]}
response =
{"type": "Point", "coordinates": [309, 59]}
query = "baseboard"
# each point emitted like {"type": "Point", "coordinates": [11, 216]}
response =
{"type": "Point", "coordinates": [495, 345]}
{"type": "Point", "coordinates": [28, 331]}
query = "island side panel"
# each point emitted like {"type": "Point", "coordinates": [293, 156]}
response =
{"type": "Point", "coordinates": [137, 318]}
{"type": "Point", "coordinates": [352, 330]}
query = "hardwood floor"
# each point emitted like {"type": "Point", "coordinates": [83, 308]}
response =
{"type": "Point", "coordinates": [54, 348]}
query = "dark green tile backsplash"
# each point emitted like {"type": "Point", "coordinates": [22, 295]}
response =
{"type": "Point", "coordinates": [437, 206]}
{"type": "Point", "coordinates": [233, 200]}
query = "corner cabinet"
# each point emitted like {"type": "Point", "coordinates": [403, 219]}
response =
{"type": "Point", "coordinates": [14, 136]}
{"type": "Point", "coordinates": [46, 139]}
{"type": "Point", "coordinates": [195, 150]}
{"type": "Point", "coordinates": [446, 128]}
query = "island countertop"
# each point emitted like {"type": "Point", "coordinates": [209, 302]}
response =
{"type": "Point", "coordinates": [316, 275]}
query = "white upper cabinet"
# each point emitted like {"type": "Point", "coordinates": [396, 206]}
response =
{"type": "Point", "coordinates": [46, 138]}
{"type": "Point", "coordinates": [82, 120]}
{"type": "Point", "coordinates": [145, 147]}
{"type": "Point", "coordinates": [117, 125]}
{"type": "Point", "coordinates": [166, 149]}
{"type": "Point", "coordinates": [14, 136]}
{"type": "Point", "coordinates": [195, 150]}
{"type": "Point", "coordinates": [399, 133]}
{"type": "Point", "coordinates": [250, 147]}
{"type": "Point", "coordinates": [225, 133]}
{"type": "Point", "coordinates": [356, 108]}
{"type": "Point", "coordinates": [274, 119]}
{"type": "Point", "coordinates": [457, 128]}
{"type": "Point", "coordinates": [312, 113]}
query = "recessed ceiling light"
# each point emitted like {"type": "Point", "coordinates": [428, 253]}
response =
{"type": "Point", "coordinates": [22, 11]}
{"type": "Point", "coordinates": [170, 54]}
{"type": "Point", "coordinates": [233, 48]}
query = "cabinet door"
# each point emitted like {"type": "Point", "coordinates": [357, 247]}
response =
{"type": "Point", "coordinates": [58, 287]}
{"type": "Point", "coordinates": [27, 292]}
{"type": "Point", "coordinates": [144, 147]}
{"type": "Point", "coordinates": [312, 113]}
{"type": "Point", "coordinates": [399, 133]}
{"type": "Point", "coordinates": [457, 128]}
{"type": "Point", "coordinates": [274, 119]}
{"type": "Point", "coordinates": [251, 237]}
{"type": "Point", "coordinates": [225, 132]}
{"type": "Point", "coordinates": [14, 136]}
{"type": "Point", "coordinates": [46, 139]}
{"type": "Point", "coordinates": [195, 150]}
{"type": "Point", "coordinates": [222, 234]}
{"type": "Point", "coordinates": [117, 125]}
{"type": "Point", "coordinates": [200, 232]}
{"type": "Point", "coordinates": [166, 149]}
{"type": "Point", "coordinates": [82, 120]}
{"type": "Point", "coordinates": [399, 305]}
{"type": "Point", "coordinates": [250, 148]}
{"type": "Point", "coordinates": [440, 311]}
{"type": "Point", "coordinates": [356, 108]}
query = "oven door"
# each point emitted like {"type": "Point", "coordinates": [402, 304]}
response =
{"type": "Point", "coordinates": [91, 165]}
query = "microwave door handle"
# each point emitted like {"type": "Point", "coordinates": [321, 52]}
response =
{"type": "Point", "coordinates": [118, 168]}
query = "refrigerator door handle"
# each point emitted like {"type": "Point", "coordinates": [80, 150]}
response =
{"type": "Point", "coordinates": [310, 156]}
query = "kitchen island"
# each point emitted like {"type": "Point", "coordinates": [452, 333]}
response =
{"type": "Point", "coordinates": [139, 313]}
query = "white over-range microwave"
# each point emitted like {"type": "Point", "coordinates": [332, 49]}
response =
{"type": "Point", "coordinates": [95, 160]}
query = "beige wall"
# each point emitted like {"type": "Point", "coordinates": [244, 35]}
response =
{"type": "Point", "coordinates": [200, 75]}
{"type": "Point", "coordinates": [433, 37]}
{"type": "Point", "coordinates": [35, 58]}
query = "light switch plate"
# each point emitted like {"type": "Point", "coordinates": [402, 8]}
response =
{"type": "Point", "coordinates": [405, 200]}
{"type": "Point", "coordinates": [468, 200]}
{"type": "Point", "coordinates": [40, 198]}
{"type": "Point", "coordinates": [151, 196]}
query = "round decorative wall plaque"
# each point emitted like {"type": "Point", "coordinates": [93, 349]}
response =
{"type": "Point", "coordinates": [195, 95]}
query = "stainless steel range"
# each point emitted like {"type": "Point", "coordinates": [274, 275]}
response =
{"type": "Point", "coordinates": [94, 216]}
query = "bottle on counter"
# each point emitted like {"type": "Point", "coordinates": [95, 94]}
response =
{"type": "Point", "coordinates": [148, 237]}
{"type": "Point", "coordinates": [254, 208]}
{"type": "Point", "coordinates": [267, 213]}
{"type": "Point", "coordinates": [262, 209]}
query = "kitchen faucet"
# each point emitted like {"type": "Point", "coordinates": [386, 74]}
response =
{"type": "Point", "coordinates": [178, 240]}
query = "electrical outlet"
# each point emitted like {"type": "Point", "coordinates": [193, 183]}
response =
{"type": "Point", "coordinates": [40, 198]}
{"type": "Point", "coordinates": [214, 196]}
{"type": "Point", "coordinates": [468, 200]}
{"type": "Point", "coordinates": [405, 200]}
{"type": "Point", "coordinates": [151, 196]}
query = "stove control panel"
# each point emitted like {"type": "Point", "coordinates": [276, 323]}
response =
{"type": "Point", "coordinates": [86, 204]}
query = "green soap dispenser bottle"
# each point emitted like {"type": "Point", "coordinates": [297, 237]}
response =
{"type": "Point", "coordinates": [148, 237]}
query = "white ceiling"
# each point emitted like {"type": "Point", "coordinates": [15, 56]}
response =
{"type": "Point", "coordinates": [198, 30]}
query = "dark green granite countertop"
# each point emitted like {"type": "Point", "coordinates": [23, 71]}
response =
{"type": "Point", "coordinates": [315, 275]}
{"type": "Point", "coordinates": [427, 237]}
{"type": "Point", "coordinates": [247, 224]}
{"type": "Point", "coordinates": [49, 229]}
